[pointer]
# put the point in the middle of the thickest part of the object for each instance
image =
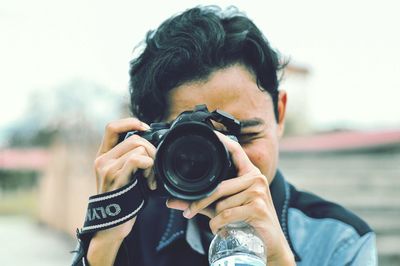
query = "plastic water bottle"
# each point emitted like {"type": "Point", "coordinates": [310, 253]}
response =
{"type": "Point", "coordinates": [237, 244]}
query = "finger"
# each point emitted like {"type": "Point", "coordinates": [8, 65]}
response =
{"type": "Point", "coordinates": [106, 174]}
{"type": "Point", "coordinates": [232, 215]}
{"type": "Point", "coordinates": [107, 170]}
{"type": "Point", "coordinates": [132, 164]}
{"type": "Point", "coordinates": [177, 204]}
{"type": "Point", "coordinates": [114, 129]}
{"type": "Point", "coordinates": [139, 150]}
{"type": "Point", "coordinates": [150, 177]}
{"type": "Point", "coordinates": [239, 157]}
{"type": "Point", "coordinates": [224, 189]}
{"type": "Point", "coordinates": [182, 205]}
{"type": "Point", "coordinates": [236, 200]}
{"type": "Point", "coordinates": [117, 174]}
{"type": "Point", "coordinates": [148, 173]}
{"type": "Point", "coordinates": [125, 146]}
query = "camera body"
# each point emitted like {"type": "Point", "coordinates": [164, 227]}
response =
{"type": "Point", "coordinates": [191, 160]}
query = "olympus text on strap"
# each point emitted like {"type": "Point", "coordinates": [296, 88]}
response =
{"type": "Point", "coordinates": [115, 207]}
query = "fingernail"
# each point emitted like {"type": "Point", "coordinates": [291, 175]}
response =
{"type": "Point", "coordinates": [153, 185]}
{"type": "Point", "coordinates": [186, 213]}
{"type": "Point", "coordinates": [167, 203]}
{"type": "Point", "coordinates": [145, 126]}
{"type": "Point", "coordinates": [146, 172]}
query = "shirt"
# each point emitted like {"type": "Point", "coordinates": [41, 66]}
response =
{"type": "Point", "coordinates": [319, 232]}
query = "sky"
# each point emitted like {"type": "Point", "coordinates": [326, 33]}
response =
{"type": "Point", "coordinates": [350, 47]}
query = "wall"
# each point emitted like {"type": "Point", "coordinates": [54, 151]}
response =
{"type": "Point", "coordinates": [366, 183]}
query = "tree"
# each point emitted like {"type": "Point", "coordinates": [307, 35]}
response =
{"type": "Point", "coordinates": [69, 111]}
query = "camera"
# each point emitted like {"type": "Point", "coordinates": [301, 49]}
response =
{"type": "Point", "coordinates": [191, 160]}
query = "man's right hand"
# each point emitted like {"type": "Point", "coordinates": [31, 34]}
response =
{"type": "Point", "coordinates": [115, 163]}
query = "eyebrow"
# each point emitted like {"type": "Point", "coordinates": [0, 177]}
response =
{"type": "Point", "coordinates": [251, 122]}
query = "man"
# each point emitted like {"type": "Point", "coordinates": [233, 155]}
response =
{"type": "Point", "coordinates": [221, 59]}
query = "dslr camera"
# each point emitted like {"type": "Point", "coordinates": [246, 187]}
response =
{"type": "Point", "coordinates": [191, 160]}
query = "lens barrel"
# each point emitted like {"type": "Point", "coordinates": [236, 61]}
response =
{"type": "Point", "coordinates": [191, 161]}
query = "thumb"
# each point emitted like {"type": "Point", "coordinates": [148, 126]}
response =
{"type": "Point", "coordinates": [182, 205]}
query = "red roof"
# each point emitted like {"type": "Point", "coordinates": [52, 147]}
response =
{"type": "Point", "coordinates": [24, 159]}
{"type": "Point", "coordinates": [341, 141]}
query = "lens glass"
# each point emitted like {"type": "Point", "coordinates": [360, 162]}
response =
{"type": "Point", "coordinates": [191, 163]}
{"type": "Point", "coordinates": [191, 160]}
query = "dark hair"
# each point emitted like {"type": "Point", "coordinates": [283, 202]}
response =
{"type": "Point", "coordinates": [192, 45]}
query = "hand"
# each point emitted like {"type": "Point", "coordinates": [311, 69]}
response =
{"type": "Point", "coordinates": [115, 163]}
{"type": "Point", "coordinates": [244, 198]}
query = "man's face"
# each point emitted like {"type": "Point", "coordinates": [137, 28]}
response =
{"type": "Point", "coordinates": [234, 90]}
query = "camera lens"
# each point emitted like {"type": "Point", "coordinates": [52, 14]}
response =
{"type": "Point", "coordinates": [191, 164]}
{"type": "Point", "coordinates": [190, 158]}
{"type": "Point", "coordinates": [191, 161]}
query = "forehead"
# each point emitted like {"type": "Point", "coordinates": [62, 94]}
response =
{"type": "Point", "coordinates": [232, 89]}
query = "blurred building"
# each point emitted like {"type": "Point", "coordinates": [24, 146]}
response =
{"type": "Point", "coordinates": [20, 170]}
{"type": "Point", "coordinates": [360, 170]}
{"type": "Point", "coordinates": [295, 81]}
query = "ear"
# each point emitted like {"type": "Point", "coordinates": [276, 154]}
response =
{"type": "Point", "coordinates": [282, 99]}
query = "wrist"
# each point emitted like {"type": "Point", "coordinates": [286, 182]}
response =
{"type": "Point", "coordinates": [103, 249]}
{"type": "Point", "coordinates": [108, 237]}
{"type": "Point", "coordinates": [286, 259]}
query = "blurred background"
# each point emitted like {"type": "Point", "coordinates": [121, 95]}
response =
{"type": "Point", "coordinates": [64, 76]}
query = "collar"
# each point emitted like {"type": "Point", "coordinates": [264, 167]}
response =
{"type": "Point", "coordinates": [281, 197]}
{"type": "Point", "coordinates": [177, 225]}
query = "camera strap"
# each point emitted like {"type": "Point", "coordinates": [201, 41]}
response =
{"type": "Point", "coordinates": [113, 208]}
{"type": "Point", "coordinates": [110, 209]}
